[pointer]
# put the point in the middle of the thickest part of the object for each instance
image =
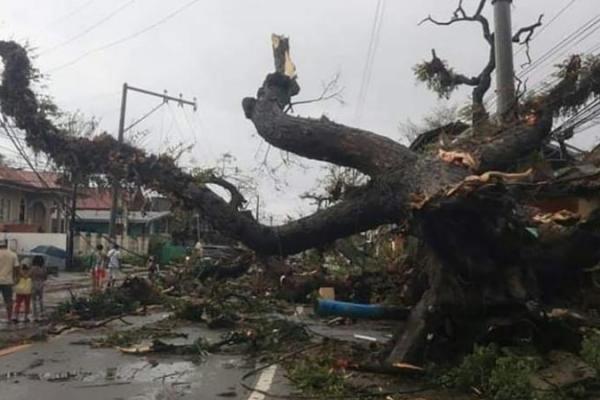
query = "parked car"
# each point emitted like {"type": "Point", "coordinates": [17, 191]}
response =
{"type": "Point", "coordinates": [54, 258]}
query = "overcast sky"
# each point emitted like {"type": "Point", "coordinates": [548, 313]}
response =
{"type": "Point", "coordinates": [219, 52]}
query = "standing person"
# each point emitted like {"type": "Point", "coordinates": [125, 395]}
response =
{"type": "Point", "coordinates": [39, 274]}
{"type": "Point", "coordinates": [98, 268]}
{"type": "Point", "coordinates": [153, 269]}
{"type": "Point", "coordinates": [114, 264]}
{"type": "Point", "coordinates": [199, 249]}
{"type": "Point", "coordinates": [8, 262]}
{"type": "Point", "coordinates": [23, 291]}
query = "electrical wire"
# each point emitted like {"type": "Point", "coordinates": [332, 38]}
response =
{"type": "Point", "coordinates": [66, 16]}
{"type": "Point", "coordinates": [88, 29]}
{"type": "Point", "coordinates": [154, 109]}
{"type": "Point", "coordinates": [567, 44]}
{"type": "Point", "coordinates": [549, 23]}
{"type": "Point", "coordinates": [555, 53]}
{"type": "Point", "coordinates": [9, 132]}
{"type": "Point", "coordinates": [125, 38]}
{"type": "Point", "coordinates": [371, 51]}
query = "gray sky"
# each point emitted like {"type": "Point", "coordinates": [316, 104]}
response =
{"type": "Point", "coordinates": [219, 52]}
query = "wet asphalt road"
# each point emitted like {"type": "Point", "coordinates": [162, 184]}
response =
{"type": "Point", "coordinates": [59, 369]}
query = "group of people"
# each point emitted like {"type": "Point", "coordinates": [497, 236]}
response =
{"type": "Point", "coordinates": [25, 281]}
{"type": "Point", "coordinates": [105, 267]}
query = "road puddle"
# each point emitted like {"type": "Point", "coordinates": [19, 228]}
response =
{"type": "Point", "coordinates": [136, 372]}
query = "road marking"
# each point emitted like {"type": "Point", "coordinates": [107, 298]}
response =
{"type": "Point", "coordinates": [263, 383]}
{"type": "Point", "coordinates": [13, 349]}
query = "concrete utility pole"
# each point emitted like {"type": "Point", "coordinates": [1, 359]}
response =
{"type": "Point", "coordinates": [71, 233]}
{"type": "Point", "coordinates": [505, 71]}
{"type": "Point", "coordinates": [115, 184]}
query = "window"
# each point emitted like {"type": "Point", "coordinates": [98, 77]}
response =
{"type": "Point", "coordinates": [8, 213]}
{"type": "Point", "coordinates": [22, 211]}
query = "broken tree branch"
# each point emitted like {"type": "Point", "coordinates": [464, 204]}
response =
{"type": "Point", "coordinates": [319, 139]}
{"type": "Point", "coordinates": [443, 80]}
{"type": "Point", "coordinates": [528, 31]}
{"type": "Point", "coordinates": [237, 198]}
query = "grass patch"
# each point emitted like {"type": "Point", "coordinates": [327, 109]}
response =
{"type": "Point", "coordinates": [315, 378]}
{"type": "Point", "coordinates": [498, 375]}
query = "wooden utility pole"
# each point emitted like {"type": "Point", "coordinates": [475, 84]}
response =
{"type": "Point", "coordinates": [505, 71]}
{"type": "Point", "coordinates": [115, 183]}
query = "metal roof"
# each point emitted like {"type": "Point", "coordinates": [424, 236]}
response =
{"type": "Point", "coordinates": [136, 217]}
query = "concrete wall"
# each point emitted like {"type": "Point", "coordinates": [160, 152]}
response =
{"type": "Point", "coordinates": [86, 242]}
{"type": "Point", "coordinates": [22, 242]}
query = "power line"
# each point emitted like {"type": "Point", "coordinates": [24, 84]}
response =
{"type": "Point", "coordinates": [547, 25]}
{"type": "Point", "coordinates": [372, 48]}
{"type": "Point", "coordinates": [66, 16]}
{"type": "Point", "coordinates": [10, 132]}
{"type": "Point", "coordinates": [144, 116]}
{"type": "Point", "coordinates": [89, 29]}
{"type": "Point", "coordinates": [125, 38]}
{"type": "Point", "coordinates": [571, 40]}
{"type": "Point", "coordinates": [556, 52]}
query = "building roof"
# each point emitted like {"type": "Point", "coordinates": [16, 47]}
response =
{"type": "Point", "coordinates": [94, 199]}
{"type": "Point", "coordinates": [135, 217]}
{"type": "Point", "coordinates": [101, 199]}
{"type": "Point", "coordinates": [29, 180]}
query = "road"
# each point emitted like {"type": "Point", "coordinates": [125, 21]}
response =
{"type": "Point", "coordinates": [62, 369]}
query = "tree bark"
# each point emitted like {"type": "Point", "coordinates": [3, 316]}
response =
{"type": "Point", "coordinates": [473, 238]}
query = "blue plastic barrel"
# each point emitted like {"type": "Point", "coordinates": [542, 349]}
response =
{"type": "Point", "coordinates": [359, 311]}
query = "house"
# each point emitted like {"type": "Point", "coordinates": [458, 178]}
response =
{"type": "Point", "coordinates": [32, 202]}
{"type": "Point", "coordinates": [134, 225]}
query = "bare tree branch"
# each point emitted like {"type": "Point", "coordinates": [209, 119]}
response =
{"type": "Point", "coordinates": [528, 31]}
{"type": "Point", "coordinates": [460, 15]}
{"type": "Point", "coordinates": [448, 79]}
{"type": "Point", "coordinates": [330, 91]}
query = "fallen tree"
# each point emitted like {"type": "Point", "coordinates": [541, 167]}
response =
{"type": "Point", "coordinates": [464, 202]}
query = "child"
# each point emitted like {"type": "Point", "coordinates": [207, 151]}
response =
{"type": "Point", "coordinates": [39, 274]}
{"type": "Point", "coordinates": [98, 268]}
{"type": "Point", "coordinates": [23, 291]}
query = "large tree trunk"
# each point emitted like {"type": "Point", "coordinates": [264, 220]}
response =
{"type": "Point", "coordinates": [477, 256]}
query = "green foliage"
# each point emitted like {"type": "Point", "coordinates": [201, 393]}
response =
{"type": "Point", "coordinates": [436, 77]}
{"type": "Point", "coordinates": [188, 311]}
{"type": "Point", "coordinates": [108, 303]}
{"type": "Point", "coordinates": [113, 301]}
{"type": "Point", "coordinates": [317, 379]}
{"type": "Point", "coordinates": [134, 336]}
{"type": "Point", "coordinates": [156, 245]}
{"type": "Point", "coordinates": [475, 370]}
{"type": "Point", "coordinates": [497, 375]}
{"type": "Point", "coordinates": [509, 379]}
{"type": "Point", "coordinates": [590, 350]}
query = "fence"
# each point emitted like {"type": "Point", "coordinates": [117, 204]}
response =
{"type": "Point", "coordinates": [85, 243]}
